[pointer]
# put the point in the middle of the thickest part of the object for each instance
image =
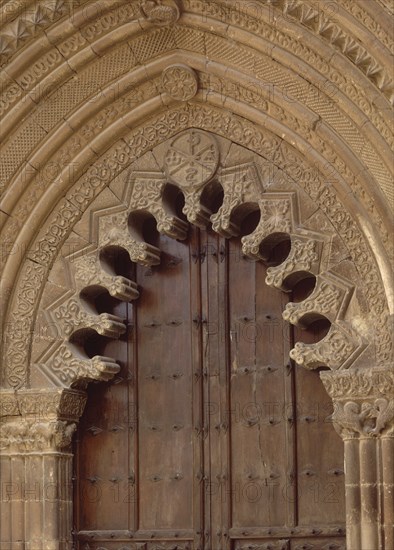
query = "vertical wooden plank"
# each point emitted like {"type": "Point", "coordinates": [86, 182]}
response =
{"type": "Point", "coordinates": [243, 408]}
{"type": "Point", "coordinates": [198, 387]}
{"type": "Point", "coordinates": [320, 462]}
{"type": "Point", "coordinates": [165, 393]}
{"type": "Point", "coordinates": [103, 446]}
{"type": "Point", "coordinates": [131, 490]}
{"type": "Point", "coordinates": [222, 259]}
{"type": "Point", "coordinates": [211, 409]}
{"type": "Point", "coordinates": [262, 451]}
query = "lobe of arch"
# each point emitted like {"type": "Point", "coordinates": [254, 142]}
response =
{"type": "Point", "coordinates": [192, 164]}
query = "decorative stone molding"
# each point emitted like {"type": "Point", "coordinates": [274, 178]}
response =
{"type": "Point", "coordinates": [89, 271]}
{"type": "Point", "coordinates": [143, 139]}
{"type": "Point", "coordinates": [241, 184]}
{"type": "Point", "coordinates": [361, 383]}
{"type": "Point", "coordinates": [160, 12]}
{"type": "Point", "coordinates": [340, 129]}
{"type": "Point", "coordinates": [276, 218]}
{"type": "Point", "coordinates": [70, 317]}
{"type": "Point", "coordinates": [148, 196]}
{"type": "Point", "coordinates": [329, 299]}
{"type": "Point", "coordinates": [304, 257]}
{"type": "Point", "coordinates": [63, 365]}
{"type": "Point", "coordinates": [42, 405]}
{"type": "Point", "coordinates": [180, 82]}
{"type": "Point", "coordinates": [323, 23]}
{"type": "Point", "coordinates": [337, 350]}
{"type": "Point", "coordinates": [31, 436]}
{"type": "Point", "coordinates": [28, 24]}
{"type": "Point", "coordinates": [39, 421]}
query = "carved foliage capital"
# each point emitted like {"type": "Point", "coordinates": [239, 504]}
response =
{"type": "Point", "coordinates": [39, 420]}
{"type": "Point", "coordinates": [363, 401]}
{"type": "Point", "coordinates": [28, 435]}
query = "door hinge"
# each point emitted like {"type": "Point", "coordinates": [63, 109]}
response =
{"type": "Point", "coordinates": [199, 255]}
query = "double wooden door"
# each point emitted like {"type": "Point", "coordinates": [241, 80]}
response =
{"type": "Point", "coordinates": [209, 438]}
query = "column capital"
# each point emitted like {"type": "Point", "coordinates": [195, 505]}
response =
{"type": "Point", "coordinates": [39, 420]}
{"type": "Point", "coordinates": [363, 401]}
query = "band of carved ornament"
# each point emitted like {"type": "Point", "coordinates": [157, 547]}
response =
{"type": "Point", "coordinates": [27, 435]}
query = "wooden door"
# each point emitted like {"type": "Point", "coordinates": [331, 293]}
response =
{"type": "Point", "coordinates": [209, 438]}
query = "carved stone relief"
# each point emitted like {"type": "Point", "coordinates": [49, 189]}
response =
{"type": "Point", "coordinates": [160, 12]}
{"type": "Point", "coordinates": [363, 401]}
{"type": "Point", "coordinates": [28, 435]}
{"type": "Point", "coordinates": [180, 82]}
{"type": "Point", "coordinates": [192, 160]}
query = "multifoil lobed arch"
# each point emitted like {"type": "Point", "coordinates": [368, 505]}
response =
{"type": "Point", "coordinates": [192, 165]}
{"type": "Point", "coordinates": [51, 236]}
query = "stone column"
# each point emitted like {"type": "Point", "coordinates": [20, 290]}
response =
{"type": "Point", "coordinates": [364, 418]}
{"type": "Point", "coordinates": [36, 430]}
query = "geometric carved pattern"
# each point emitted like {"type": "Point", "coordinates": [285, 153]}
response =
{"type": "Point", "coordinates": [276, 216]}
{"type": "Point", "coordinates": [88, 271]}
{"type": "Point", "coordinates": [329, 299]}
{"type": "Point", "coordinates": [241, 184]}
{"type": "Point", "coordinates": [304, 256]}
{"type": "Point", "coordinates": [318, 21]}
{"type": "Point", "coordinates": [337, 350]}
{"type": "Point", "coordinates": [72, 316]}
{"type": "Point", "coordinates": [180, 82]}
{"type": "Point", "coordinates": [192, 159]}
{"type": "Point", "coordinates": [63, 365]}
